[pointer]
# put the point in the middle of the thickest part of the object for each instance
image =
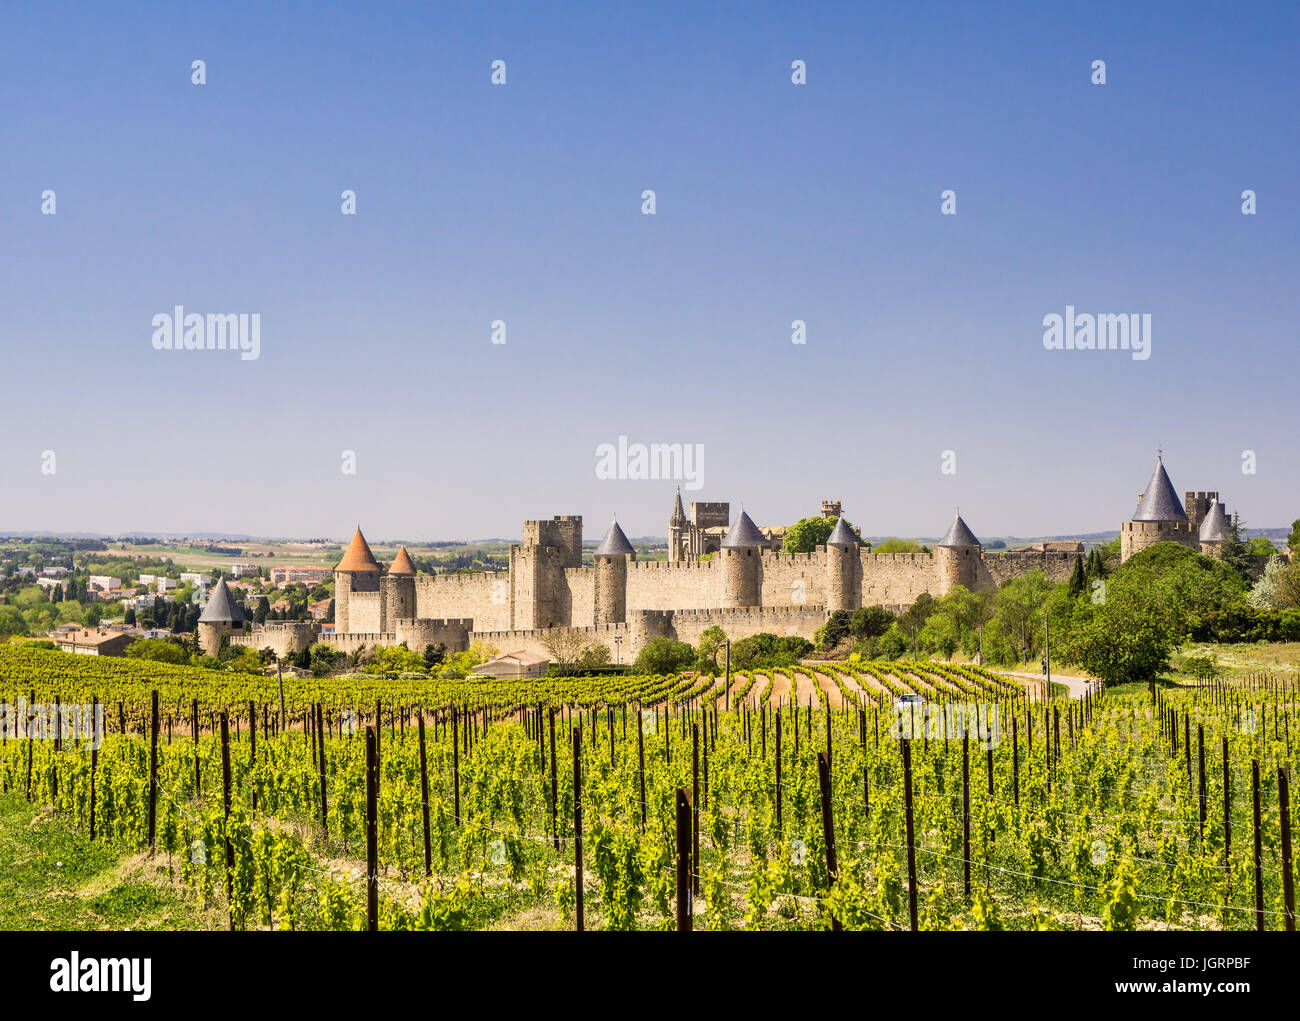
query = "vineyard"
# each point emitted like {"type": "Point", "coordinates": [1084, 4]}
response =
{"type": "Point", "coordinates": [794, 798]}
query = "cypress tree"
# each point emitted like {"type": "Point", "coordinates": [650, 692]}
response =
{"type": "Point", "coordinates": [1077, 582]}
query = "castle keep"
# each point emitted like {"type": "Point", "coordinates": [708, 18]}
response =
{"type": "Point", "coordinates": [732, 574]}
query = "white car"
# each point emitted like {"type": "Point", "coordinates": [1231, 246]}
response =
{"type": "Point", "coordinates": [905, 702]}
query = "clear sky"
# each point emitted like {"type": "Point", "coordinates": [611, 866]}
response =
{"type": "Point", "coordinates": [774, 202]}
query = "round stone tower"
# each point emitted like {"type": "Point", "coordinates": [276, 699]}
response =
{"type": "Point", "coordinates": [1214, 530]}
{"type": "Point", "coordinates": [645, 625]}
{"type": "Point", "coordinates": [221, 617]}
{"type": "Point", "coordinates": [843, 569]}
{"type": "Point", "coordinates": [398, 600]}
{"type": "Point", "coordinates": [358, 571]}
{"type": "Point", "coordinates": [741, 562]}
{"type": "Point", "coordinates": [958, 557]}
{"type": "Point", "coordinates": [612, 557]}
{"type": "Point", "coordinates": [1159, 517]}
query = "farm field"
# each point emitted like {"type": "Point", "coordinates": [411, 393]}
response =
{"type": "Point", "coordinates": [1093, 813]}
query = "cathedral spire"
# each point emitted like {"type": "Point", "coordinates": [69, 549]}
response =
{"type": "Point", "coordinates": [679, 515]}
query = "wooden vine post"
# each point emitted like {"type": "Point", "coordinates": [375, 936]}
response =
{"type": "Point", "coordinates": [577, 821]}
{"type": "Point", "coordinates": [1284, 818]}
{"type": "Point", "coordinates": [911, 836]}
{"type": "Point", "coordinates": [225, 803]}
{"type": "Point", "coordinates": [153, 771]}
{"type": "Point", "coordinates": [828, 820]}
{"type": "Point", "coordinates": [372, 829]}
{"type": "Point", "coordinates": [424, 799]}
{"type": "Point", "coordinates": [683, 801]}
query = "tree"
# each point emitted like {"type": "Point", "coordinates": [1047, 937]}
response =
{"type": "Point", "coordinates": [1078, 579]}
{"type": "Point", "coordinates": [393, 659]}
{"type": "Point", "coordinates": [914, 617]}
{"type": "Point", "coordinates": [835, 630]}
{"type": "Point", "coordinates": [953, 622]}
{"type": "Point", "coordinates": [12, 622]}
{"type": "Point", "coordinates": [434, 655]}
{"type": "Point", "coordinates": [1288, 587]}
{"type": "Point", "coordinates": [1293, 540]}
{"type": "Point", "coordinates": [1264, 593]}
{"type": "Point", "coordinates": [158, 650]}
{"type": "Point", "coordinates": [1095, 568]}
{"type": "Point", "coordinates": [768, 650]}
{"type": "Point", "coordinates": [940, 634]}
{"type": "Point", "coordinates": [1233, 551]}
{"type": "Point", "coordinates": [870, 621]}
{"type": "Point", "coordinates": [1203, 668]}
{"type": "Point", "coordinates": [128, 618]}
{"type": "Point", "coordinates": [662, 655]}
{"type": "Point", "coordinates": [596, 657]}
{"type": "Point", "coordinates": [896, 545]}
{"type": "Point", "coordinates": [564, 646]}
{"type": "Point", "coordinates": [893, 643]}
{"type": "Point", "coordinates": [322, 658]}
{"type": "Point", "coordinates": [711, 642]}
{"type": "Point", "coordinates": [806, 534]}
{"type": "Point", "coordinates": [1018, 610]}
{"type": "Point", "coordinates": [1150, 605]}
{"type": "Point", "coordinates": [262, 611]}
{"type": "Point", "coordinates": [94, 614]}
{"type": "Point", "coordinates": [1123, 640]}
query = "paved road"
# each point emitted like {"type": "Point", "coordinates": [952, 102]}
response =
{"type": "Point", "coordinates": [1077, 685]}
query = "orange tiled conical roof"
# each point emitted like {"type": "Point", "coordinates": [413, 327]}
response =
{"type": "Point", "coordinates": [358, 556]}
{"type": "Point", "coordinates": [401, 563]}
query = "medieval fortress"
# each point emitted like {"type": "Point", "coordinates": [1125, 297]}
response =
{"type": "Point", "coordinates": [721, 572]}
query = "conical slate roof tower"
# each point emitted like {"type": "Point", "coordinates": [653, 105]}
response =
{"type": "Point", "coordinates": [1215, 526]}
{"type": "Point", "coordinates": [615, 543]}
{"type": "Point", "coordinates": [842, 535]}
{"type": "Point", "coordinates": [743, 533]}
{"type": "Point", "coordinates": [222, 607]}
{"type": "Point", "coordinates": [1159, 501]}
{"type": "Point", "coordinates": [959, 534]}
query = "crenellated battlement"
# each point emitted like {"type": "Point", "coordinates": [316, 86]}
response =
{"type": "Point", "coordinates": [779, 558]}
{"type": "Point", "coordinates": [897, 558]}
{"type": "Point", "coordinates": [747, 611]}
{"type": "Point", "coordinates": [672, 565]}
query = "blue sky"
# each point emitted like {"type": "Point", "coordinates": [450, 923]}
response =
{"type": "Point", "coordinates": [522, 203]}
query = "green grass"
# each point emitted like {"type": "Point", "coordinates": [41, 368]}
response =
{"type": "Point", "coordinates": [1280, 659]}
{"type": "Point", "coordinates": [54, 878]}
